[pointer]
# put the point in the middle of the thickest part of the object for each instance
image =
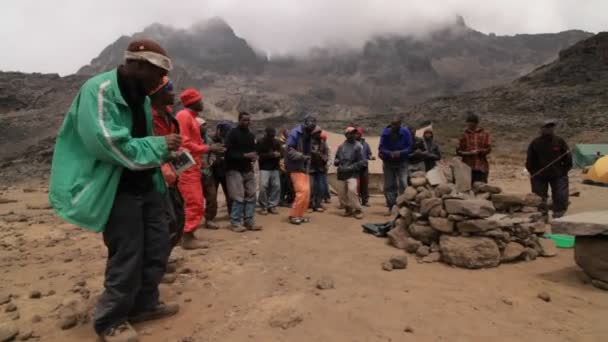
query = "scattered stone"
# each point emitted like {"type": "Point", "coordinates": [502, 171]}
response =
{"type": "Point", "coordinates": [433, 257]}
{"type": "Point", "coordinates": [325, 283]}
{"type": "Point", "coordinates": [35, 294]}
{"type": "Point", "coordinates": [418, 181]}
{"type": "Point", "coordinates": [387, 266]}
{"type": "Point", "coordinates": [442, 224]}
{"type": "Point", "coordinates": [409, 194]}
{"type": "Point", "coordinates": [430, 204]}
{"type": "Point", "coordinates": [530, 254]}
{"type": "Point", "coordinates": [442, 190]}
{"type": "Point", "coordinates": [424, 233]}
{"type": "Point", "coordinates": [483, 187]}
{"type": "Point", "coordinates": [7, 200]}
{"type": "Point", "coordinates": [472, 252]}
{"type": "Point", "coordinates": [11, 307]}
{"type": "Point", "coordinates": [8, 332]}
{"type": "Point", "coordinates": [507, 301]}
{"type": "Point", "coordinates": [36, 319]}
{"type": "Point", "coordinates": [186, 270]}
{"type": "Point", "coordinates": [547, 247]}
{"type": "Point", "coordinates": [68, 322]}
{"type": "Point", "coordinates": [168, 278]}
{"type": "Point", "coordinates": [399, 262]}
{"type": "Point", "coordinates": [187, 300]}
{"type": "Point", "coordinates": [409, 330]}
{"type": "Point", "coordinates": [544, 296]}
{"type": "Point", "coordinates": [25, 335]}
{"type": "Point", "coordinates": [286, 319]}
{"type": "Point", "coordinates": [412, 245]}
{"type": "Point", "coordinates": [50, 293]}
{"type": "Point", "coordinates": [602, 285]}
{"type": "Point", "coordinates": [471, 208]}
{"type": "Point", "coordinates": [423, 251]}
{"type": "Point", "coordinates": [5, 298]}
{"type": "Point", "coordinates": [462, 175]}
{"type": "Point", "coordinates": [397, 237]}
{"type": "Point", "coordinates": [456, 218]}
{"type": "Point", "coordinates": [512, 252]}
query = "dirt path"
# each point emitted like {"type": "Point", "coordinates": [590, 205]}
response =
{"type": "Point", "coordinates": [262, 286]}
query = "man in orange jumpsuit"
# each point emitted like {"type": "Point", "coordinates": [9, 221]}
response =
{"type": "Point", "coordinates": [189, 182]}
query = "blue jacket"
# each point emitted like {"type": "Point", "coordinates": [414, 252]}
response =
{"type": "Point", "coordinates": [297, 157]}
{"type": "Point", "coordinates": [387, 145]}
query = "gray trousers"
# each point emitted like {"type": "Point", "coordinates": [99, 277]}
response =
{"type": "Point", "coordinates": [241, 188]}
{"type": "Point", "coordinates": [137, 238]}
{"type": "Point", "coordinates": [395, 182]}
{"type": "Point", "coordinates": [270, 188]}
{"type": "Point", "coordinates": [347, 190]}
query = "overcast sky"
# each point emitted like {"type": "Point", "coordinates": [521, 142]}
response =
{"type": "Point", "coordinates": [62, 35]}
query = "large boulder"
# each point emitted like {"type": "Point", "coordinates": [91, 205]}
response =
{"type": "Point", "coordinates": [471, 208]}
{"type": "Point", "coordinates": [469, 252]}
{"type": "Point", "coordinates": [590, 255]}
{"type": "Point", "coordinates": [418, 181]}
{"type": "Point", "coordinates": [423, 233]}
{"type": "Point", "coordinates": [441, 224]}
{"type": "Point", "coordinates": [476, 226]}
{"type": "Point", "coordinates": [429, 205]}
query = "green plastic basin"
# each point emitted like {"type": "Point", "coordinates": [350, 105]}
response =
{"type": "Point", "coordinates": [562, 240]}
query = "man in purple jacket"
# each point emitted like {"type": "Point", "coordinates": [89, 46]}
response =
{"type": "Point", "coordinates": [395, 145]}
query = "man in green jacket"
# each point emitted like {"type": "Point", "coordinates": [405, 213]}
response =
{"type": "Point", "coordinates": [106, 177]}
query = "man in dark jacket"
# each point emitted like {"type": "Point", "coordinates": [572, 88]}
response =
{"type": "Point", "coordinates": [215, 175]}
{"type": "Point", "coordinates": [416, 156]}
{"type": "Point", "coordinates": [364, 174]}
{"type": "Point", "coordinates": [350, 160]}
{"type": "Point", "coordinates": [395, 146]}
{"type": "Point", "coordinates": [431, 152]}
{"type": "Point", "coordinates": [549, 161]}
{"type": "Point", "coordinates": [240, 156]}
{"type": "Point", "coordinates": [269, 151]}
{"type": "Point", "coordinates": [319, 154]}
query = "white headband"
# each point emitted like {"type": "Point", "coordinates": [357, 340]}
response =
{"type": "Point", "coordinates": [155, 58]}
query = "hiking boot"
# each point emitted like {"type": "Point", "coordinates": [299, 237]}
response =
{"type": "Point", "coordinates": [358, 214]}
{"type": "Point", "coordinates": [121, 333]}
{"type": "Point", "coordinates": [295, 220]}
{"type": "Point", "coordinates": [253, 227]}
{"type": "Point", "coordinates": [341, 206]}
{"type": "Point", "coordinates": [348, 212]}
{"type": "Point", "coordinates": [558, 214]}
{"type": "Point", "coordinates": [263, 212]}
{"type": "Point", "coordinates": [273, 211]}
{"type": "Point", "coordinates": [162, 310]}
{"type": "Point", "coordinates": [366, 204]}
{"type": "Point", "coordinates": [171, 268]}
{"type": "Point", "coordinates": [237, 228]}
{"type": "Point", "coordinates": [169, 278]}
{"type": "Point", "coordinates": [189, 242]}
{"type": "Point", "coordinates": [211, 225]}
{"type": "Point", "coordinates": [319, 210]}
{"type": "Point", "coordinates": [327, 201]}
{"type": "Point", "coordinates": [388, 212]}
{"type": "Point", "coordinates": [305, 219]}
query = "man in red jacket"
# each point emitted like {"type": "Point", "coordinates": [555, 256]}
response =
{"type": "Point", "coordinates": [189, 182]}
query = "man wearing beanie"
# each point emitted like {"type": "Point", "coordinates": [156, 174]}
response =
{"type": "Point", "coordinates": [106, 177]}
{"type": "Point", "coordinates": [190, 185]}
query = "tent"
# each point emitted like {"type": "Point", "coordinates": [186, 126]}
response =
{"type": "Point", "coordinates": [598, 174]}
{"type": "Point", "coordinates": [584, 155]}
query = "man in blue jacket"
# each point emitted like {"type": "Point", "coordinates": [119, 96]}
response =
{"type": "Point", "coordinates": [395, 145]}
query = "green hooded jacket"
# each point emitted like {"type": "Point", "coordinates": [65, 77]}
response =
{"type": "Point", "coordinates": [93, 146]}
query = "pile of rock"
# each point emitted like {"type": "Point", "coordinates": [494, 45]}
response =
{"type": "Point", "coordinates": [464, 226]}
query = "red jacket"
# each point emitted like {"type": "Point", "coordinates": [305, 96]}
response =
{"type": "Point", "coordinates": [191, 134]}
{"type": "Point", "coordinates": [165, 124]}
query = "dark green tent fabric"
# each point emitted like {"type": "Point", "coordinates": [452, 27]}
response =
{"type": "Point", "coordinates": [584, 155]}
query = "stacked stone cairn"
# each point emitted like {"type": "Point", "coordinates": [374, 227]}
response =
{"type": "Point", "coordinates": [476, 228]}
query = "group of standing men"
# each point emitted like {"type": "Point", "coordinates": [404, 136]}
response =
{"type": "Point", "coordinates": [111, 173]}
